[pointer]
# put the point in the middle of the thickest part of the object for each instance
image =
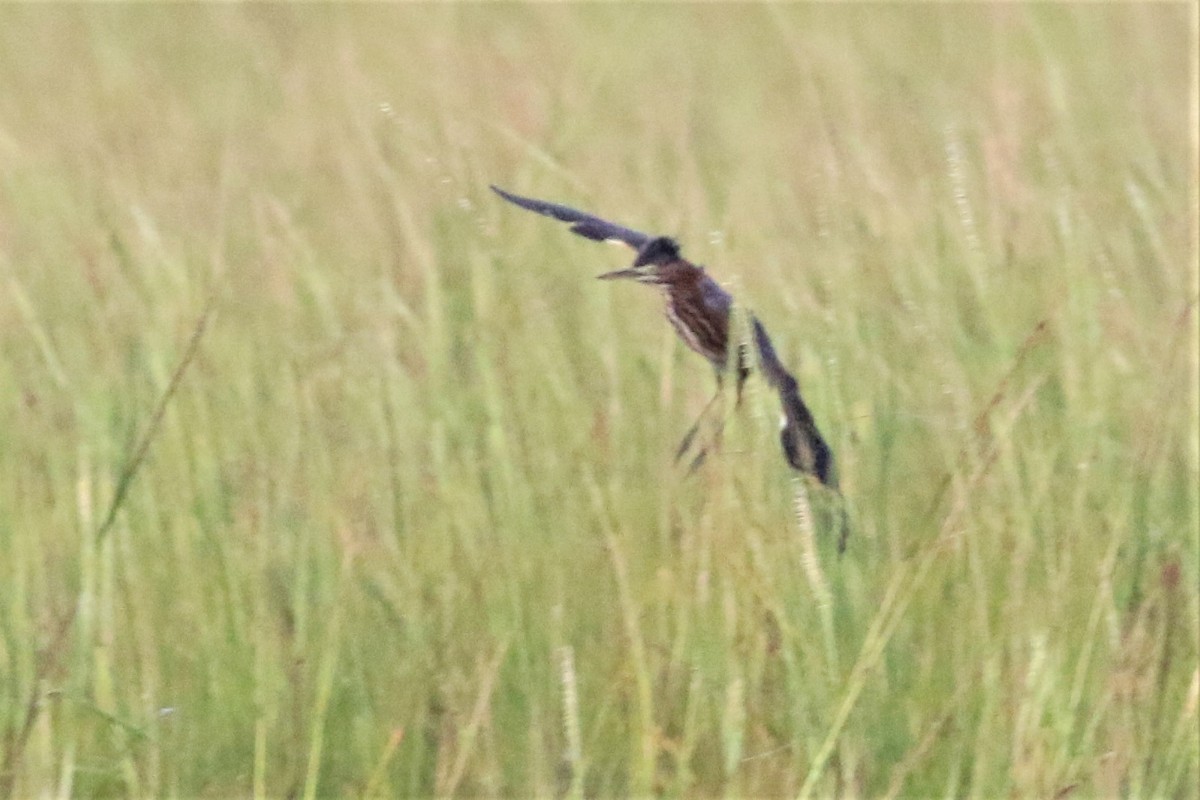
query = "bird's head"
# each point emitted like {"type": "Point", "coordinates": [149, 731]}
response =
{"type": "Point", "coordinates": [658, 251]}
{"type": "Point", "coordinates": [653, 263]}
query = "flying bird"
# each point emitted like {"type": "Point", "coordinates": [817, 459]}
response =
{"type": "Point", "coordinates": [699, 310]}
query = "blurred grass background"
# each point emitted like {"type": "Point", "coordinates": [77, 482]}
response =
{"type": "Point", "coordinates": [410, 525]}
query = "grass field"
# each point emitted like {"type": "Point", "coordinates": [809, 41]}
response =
{"type": "Point", "coordinates": [323, 472]}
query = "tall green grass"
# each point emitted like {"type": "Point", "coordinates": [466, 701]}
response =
{"type": "Point", "coordinates": [409, 524]}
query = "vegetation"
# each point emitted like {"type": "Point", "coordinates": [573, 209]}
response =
{"type": "Point", "coordinates": [405, 521]}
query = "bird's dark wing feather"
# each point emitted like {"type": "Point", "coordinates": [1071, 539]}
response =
{"type": "Point", "coordinates": [803, 446]}
{"type": "Point", "coordinates": [774, 371]}
{"type": "Point", "coordinates": [586, 225]}
{"type": "Point", "coordinates": [802, 443]}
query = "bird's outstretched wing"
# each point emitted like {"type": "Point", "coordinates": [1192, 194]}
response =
{"type": "Point", "coordinates": [586, 225]}
{"type": "Point", "coordinates": [803, 446]}
{"type": "Point", "coordinates": [802, 443]}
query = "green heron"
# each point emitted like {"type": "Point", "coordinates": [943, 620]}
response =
{"type": "Point", "coordinates": [699, 310]}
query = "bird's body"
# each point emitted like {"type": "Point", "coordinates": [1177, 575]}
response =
{"type": "Point", "coordinates": [699, 310]}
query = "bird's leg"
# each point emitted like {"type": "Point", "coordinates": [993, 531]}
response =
{"type": "Point", "coordinates": [688, 437]}
{"type": "Point", "coordinates": [743, 372]}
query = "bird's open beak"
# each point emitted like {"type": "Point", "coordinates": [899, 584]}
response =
{"type": "Point", "coordinates": [635, 273]}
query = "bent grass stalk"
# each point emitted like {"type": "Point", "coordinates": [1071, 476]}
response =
{"type": "Point", "coordinates": [54, 651]}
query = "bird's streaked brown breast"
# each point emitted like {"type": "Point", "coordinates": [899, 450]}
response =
{"type": "Point", "coordinates": [704, 329]}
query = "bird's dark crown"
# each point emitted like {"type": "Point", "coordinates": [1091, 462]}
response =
{"type": "Point", "coordinates": [659, 250]}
